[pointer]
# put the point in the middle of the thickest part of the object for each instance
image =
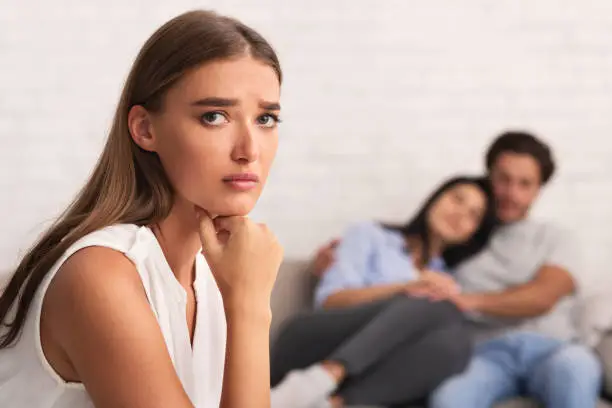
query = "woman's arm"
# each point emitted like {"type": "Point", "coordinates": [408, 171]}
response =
{"type": "Point", "coordinates": [354, 297]}
{"type": "Point", "coordinates": [345, 282]}
{"type": "Point", "coordinates": [247, 360]}
{"type": "Point", "coordinates": [430, 283]}
{"type": "Point", "coordinates": [96, 312]}
{"type": "Point", "coordinates": [244, 258]}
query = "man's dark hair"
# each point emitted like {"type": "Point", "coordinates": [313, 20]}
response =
{"type": "Point", "coordinates": [523, 143]}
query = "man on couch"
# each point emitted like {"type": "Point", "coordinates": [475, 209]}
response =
{"type": "Point", "coordinates": [519, 293]}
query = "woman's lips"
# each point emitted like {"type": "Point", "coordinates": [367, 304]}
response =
{"type": "Point", "coordinates": [242, 181]}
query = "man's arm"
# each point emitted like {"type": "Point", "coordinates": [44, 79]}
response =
{"type": "Point", "coordinates": [324, 258]}
{"type": "Point", "coordinates": [534, 298]}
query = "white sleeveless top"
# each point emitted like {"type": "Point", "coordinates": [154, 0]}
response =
{"type": "Point", "coordinates": [28, 381]}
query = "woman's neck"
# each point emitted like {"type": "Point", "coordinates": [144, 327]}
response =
{"type": "Point", "coordinates": [415, 245]}
{"type": "Point", "coordinates": [436, 246]}
{"type": "Point", "coordinates": [178, 236]}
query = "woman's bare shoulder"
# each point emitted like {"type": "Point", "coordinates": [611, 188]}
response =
{"type": "Point", "coordinates": [95, 269]}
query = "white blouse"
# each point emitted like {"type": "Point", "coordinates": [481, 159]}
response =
{"type": "Point", "coordinates": [28, 381]}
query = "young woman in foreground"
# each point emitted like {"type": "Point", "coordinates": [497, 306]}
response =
{"type": "Point", "coordinates": [376, 341]}
{"type": "Point", "coordinates": [115, 306]}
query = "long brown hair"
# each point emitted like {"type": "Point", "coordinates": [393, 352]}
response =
{"type": "Point", "coordinates": [128, 184]}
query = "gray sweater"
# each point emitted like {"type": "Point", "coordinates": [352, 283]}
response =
{"type": "Point", "coordinates": [513, 256]}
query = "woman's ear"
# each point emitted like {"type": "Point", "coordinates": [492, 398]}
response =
{"type": "Point", "coordinates": [141, 130]}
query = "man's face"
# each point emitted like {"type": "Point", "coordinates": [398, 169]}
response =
{"type": "Point", "coordinates": [516, 183]}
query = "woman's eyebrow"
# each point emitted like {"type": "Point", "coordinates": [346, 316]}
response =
{"type": "Point", "coordinates": [215, 102]}
{"type": "Point", "coordinates": [274, 106]}
{"type": "Point", "coordinates": [218, 102]}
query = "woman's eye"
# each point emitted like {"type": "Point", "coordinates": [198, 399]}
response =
{"type": "Point", "coordinates": [214, 118]}
{"type": "Point", "coordinates": [268, 120]}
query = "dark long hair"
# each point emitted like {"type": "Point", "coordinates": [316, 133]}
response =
{"type": "Point", "coordinates": [128, 184]}
{"type": "Point", "coordinates": [417, 226]}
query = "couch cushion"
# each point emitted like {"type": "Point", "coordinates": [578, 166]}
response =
{"type": "Point", "coordinates": [292, 293]}
{"type": "Point", "coordinates": [604, 350]}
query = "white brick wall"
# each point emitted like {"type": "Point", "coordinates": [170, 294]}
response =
{"type": "Point", "coordinates": [382, 99]}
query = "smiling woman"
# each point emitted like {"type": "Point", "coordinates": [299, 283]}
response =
{"type": "Point", "coordinates": [153, 288]}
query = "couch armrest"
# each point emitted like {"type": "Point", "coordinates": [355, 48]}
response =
{"type": "Point", "coordinates": [604, 350]}
{"type": "Point", "coordinates": [292, 293]}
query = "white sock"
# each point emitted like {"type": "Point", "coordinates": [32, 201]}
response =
{"type": "Point", "coordinates": [303, 388]}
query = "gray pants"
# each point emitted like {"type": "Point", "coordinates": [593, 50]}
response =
{"type": "Point", "coordinates": [394, 351]}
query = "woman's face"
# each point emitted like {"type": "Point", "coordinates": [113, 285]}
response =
{"type": "Point", "coordinates": [217, 134]}
{"type": "Point", "coordinates": [457, 213]}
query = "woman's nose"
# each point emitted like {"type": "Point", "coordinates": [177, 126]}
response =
{"type": "Point", "coordinates": [246, 149]}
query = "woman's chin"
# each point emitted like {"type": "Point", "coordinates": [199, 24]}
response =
{"type": "Point", "coordinates": [237, 209]}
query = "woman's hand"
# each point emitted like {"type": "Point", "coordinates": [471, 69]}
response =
{"type": "Point", "coordinates": [434, 285]}
{"type": "Point", "coordinates": [443, 281]}
{"type": "Point", "coordinates": [244, 258]}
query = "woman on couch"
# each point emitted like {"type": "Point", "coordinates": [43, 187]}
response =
{"type": "Point", "coordinates": [374, 340]}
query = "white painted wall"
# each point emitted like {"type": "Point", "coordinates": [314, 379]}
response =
{"type": "Point", "coordinates": [382, 100]}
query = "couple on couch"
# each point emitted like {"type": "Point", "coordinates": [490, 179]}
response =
{"type": "Point", "coordinates": [469, 303]}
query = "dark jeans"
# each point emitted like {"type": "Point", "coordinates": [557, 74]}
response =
{"type": "Point", "coordinates": [394, 351]}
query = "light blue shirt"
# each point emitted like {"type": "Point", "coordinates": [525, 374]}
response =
{"type": "Point", "coordinates": [369, 255]}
